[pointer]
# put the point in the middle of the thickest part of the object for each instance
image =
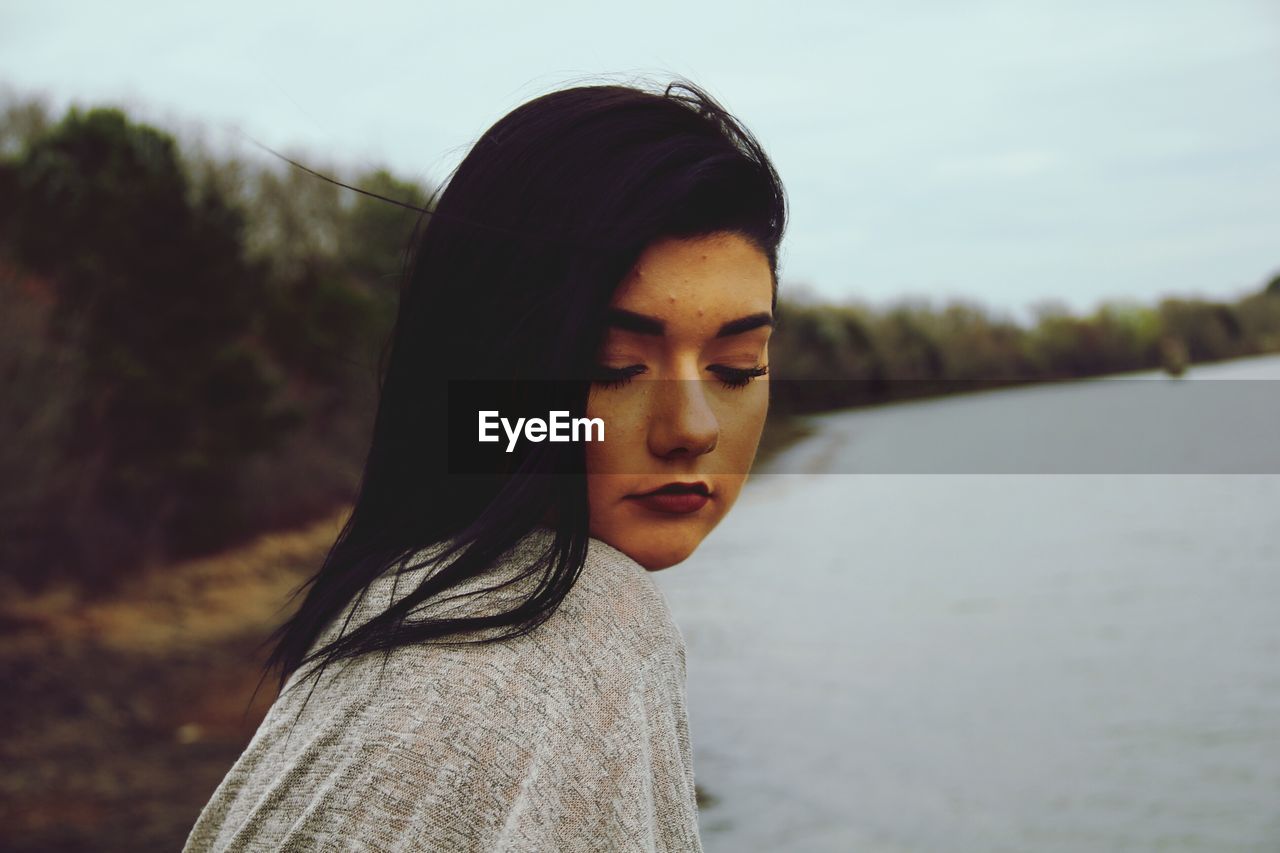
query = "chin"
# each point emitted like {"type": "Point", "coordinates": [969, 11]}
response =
{"type": "Point", "coordinates": [656, 550]}
{"type": "Point", "coordinates": [655, 545]}
{"type": "Point", "coordinates": [663, 561]}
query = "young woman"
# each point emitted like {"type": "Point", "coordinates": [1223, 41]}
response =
{"type": "Point", "coordinates": [491, 665]}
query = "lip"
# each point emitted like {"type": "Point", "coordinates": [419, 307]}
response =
{"type": "Point", "coordinates": [675, 498]}
{"type": "Point", "coordinates": [675, 487]}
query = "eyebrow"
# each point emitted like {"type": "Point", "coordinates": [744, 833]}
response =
{"type": "Point", "coordinates": [643, 324]}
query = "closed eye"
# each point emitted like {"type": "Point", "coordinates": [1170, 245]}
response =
{"type": "Point", "coordinates": [616, 377]}
{"type": "Point", "coordinates": [737, 377]}
{"type": "Point", "coordinates": [730, 377]}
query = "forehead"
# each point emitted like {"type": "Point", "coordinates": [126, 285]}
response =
{"type": "Point", "coordinates": [698, 281]}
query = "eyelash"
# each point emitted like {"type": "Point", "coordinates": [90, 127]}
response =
{"type": "Point", "coordinates": [730, 377]}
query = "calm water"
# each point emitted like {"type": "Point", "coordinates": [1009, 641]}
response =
{"type": "Point", "coordinates": [989, 662]}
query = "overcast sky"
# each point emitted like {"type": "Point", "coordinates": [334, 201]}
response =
{"type": "Point", "coordinates": [1002, 151]}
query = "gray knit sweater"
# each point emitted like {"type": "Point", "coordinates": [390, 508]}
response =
{"type": "Point", "coordinates": [571, 738]}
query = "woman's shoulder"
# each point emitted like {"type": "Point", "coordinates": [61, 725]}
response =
{"type": "Point", "coordinates": [457, 743]}
{"type": "Point", "coordinates": [614, 617]}
{"type": "Point", "coordinates": [617, 598]}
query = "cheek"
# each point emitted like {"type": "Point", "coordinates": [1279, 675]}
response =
{"type": "Point", "coordinates": [742, 420]}
{"type": "Point", "coordinates": [624, 437]}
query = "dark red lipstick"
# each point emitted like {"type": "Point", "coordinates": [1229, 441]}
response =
{"type": "Point", "coordinates": [675, 498]}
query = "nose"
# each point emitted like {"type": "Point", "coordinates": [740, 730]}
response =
{"type": "Point", "coordinates": [682, 422]}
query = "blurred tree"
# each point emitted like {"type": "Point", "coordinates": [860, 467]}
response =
{"type": "Point", "coordinates": [826, 357]}
{"type": "Point", "coordinates": [22, 120]}
{"type": "Point", "coordinates": [334, 260]}
{"type": "Point", "coordinates": [294, 219]}
{"type": "Point", "coordinates": [1063, 345]}
{"type": "Point", "coordinates": [40, 377]}
{"type": "Point", "coordinates": [1209, 330]}
{"type": "Point", "coordinates": [1129, 335]}
{"type": "Point", "coordinates": [375, 235]}
{"type": "Point", "coordinates": [978, 347]}
{"type": "Point", "coordinates": [912, 353]}
{"type": "Point", "coordinates": [1260, 317]}
{"type": "Point", "coordinates": [152, 274]}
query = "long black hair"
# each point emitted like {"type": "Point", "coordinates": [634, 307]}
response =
{"type": "Point", "coordinates": [510, 279]}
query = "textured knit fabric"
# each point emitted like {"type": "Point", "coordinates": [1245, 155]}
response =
{"type": "Point", "coordinates": [571, 738]}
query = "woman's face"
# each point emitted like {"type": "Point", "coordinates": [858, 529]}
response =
{"type": "Point", "coordinates": [688, 332]}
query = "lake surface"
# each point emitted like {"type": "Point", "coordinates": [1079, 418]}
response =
{"type": "Point", "coordinates": [993, 661]}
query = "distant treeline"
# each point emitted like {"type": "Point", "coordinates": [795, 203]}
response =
{"type": "Point", "coordinates": [190, 342]}
{"type": "Point", "coordinates": [852, 354]}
